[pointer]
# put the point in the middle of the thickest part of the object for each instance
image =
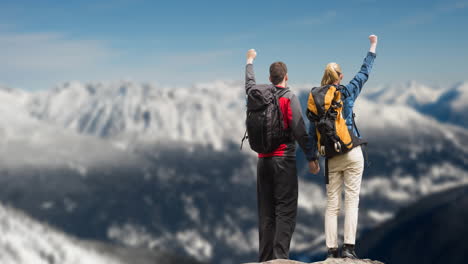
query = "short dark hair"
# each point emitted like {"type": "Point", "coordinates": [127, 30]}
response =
{"type": "Point", "coordinates": [278, 71]}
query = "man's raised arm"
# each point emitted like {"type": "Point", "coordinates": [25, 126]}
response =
{"type": "Point", "coordinates": [249, 72]}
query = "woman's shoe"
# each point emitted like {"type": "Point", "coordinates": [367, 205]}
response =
{"type": "Point", "coordinates": [332, 253]}
{"type": "Point", "coordinates": [347, 251]}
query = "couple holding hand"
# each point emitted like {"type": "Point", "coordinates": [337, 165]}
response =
{"type": "Point", "coordinates": [274, 124]}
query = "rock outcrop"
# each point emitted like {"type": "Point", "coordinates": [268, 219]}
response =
{"type": "Point", "coordinates": [327, 261]}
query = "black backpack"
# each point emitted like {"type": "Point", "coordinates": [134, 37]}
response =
{"type": "Point", "coordinates": [264, 122]}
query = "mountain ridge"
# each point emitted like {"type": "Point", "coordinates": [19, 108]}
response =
{"type": "Point", "coordinates": [435, 224]}
{"type": "Point", "coordinates": [80, 172]}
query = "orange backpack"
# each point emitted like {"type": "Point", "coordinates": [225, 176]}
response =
{"type": "Point", "coordinates": [324, 108]}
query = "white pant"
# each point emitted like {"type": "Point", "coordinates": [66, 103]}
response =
{"type": "Point", "coordinates": [346, 168]}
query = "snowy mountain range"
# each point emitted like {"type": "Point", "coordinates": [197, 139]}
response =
{"type": "Point", "coordinates": [203, 114]}
{"type": "Point", "coordinates": [25, 240]}
{"type": "Point", "coordinates": [160, 167]}
{"type": "Point", "coordinates": [446, 104]}
{"type": "Point", "coordinates": [207, 113]}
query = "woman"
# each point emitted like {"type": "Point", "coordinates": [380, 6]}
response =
{"type": "Point", "coordinates": [345, 168]}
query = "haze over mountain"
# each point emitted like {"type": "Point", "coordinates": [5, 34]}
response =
{"type": "Point", "coordinates": [160, 167]}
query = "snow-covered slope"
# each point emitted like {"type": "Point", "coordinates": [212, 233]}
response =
{"type": "Point", "coordinates": [27, 142]}
{"type": "Point", "coordinates": [207, 114]}
{"type": "Point", "coordinates": [420, 154]}
{"type": "Point", "coordinates": [460, 102]}
{"type": "Point", "coordinates": [448, 104]}
{"type": "Point", "coordinates": [26, 241]}
{"type": "Point", "coordinates": [409, 93]}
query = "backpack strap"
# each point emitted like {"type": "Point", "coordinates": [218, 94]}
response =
{"type": "Point", "coordinates": [354, 124]}
{"type": "Point", "coordinates": [320, 101]}
{"type": "Point", "coordinates": [327, 179]}
{"type": "Point", "coordinates": [244, 138]}
{"type": "Point", "coordinates": [320, 111]}
{"type": "Point", "coordinates": [364, 145]}
{"type": "Point", "coordinates": [366, 155]}
{"type": "Point", "coordinates": [281, 91]}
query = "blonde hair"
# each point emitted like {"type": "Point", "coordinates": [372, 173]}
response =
{"type": "Point", "coordinates": [331, 74]}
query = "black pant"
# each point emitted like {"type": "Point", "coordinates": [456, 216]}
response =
{"type": "Point", "coordinates": [277, 192]}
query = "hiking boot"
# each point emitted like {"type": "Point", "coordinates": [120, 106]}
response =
{"type": "Point", "coordinates": [332, 253]}
{"type": "Point", "coordinates": [347, 251]}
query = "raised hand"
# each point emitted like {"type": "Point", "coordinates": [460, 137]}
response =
{"type": "Point", "coordinates": [251, 54]}
{"type": "Point", "coordinates": [373, 43]}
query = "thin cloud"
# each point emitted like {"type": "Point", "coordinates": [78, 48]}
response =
{"type": "Point", "coordinates": [196, 58]}
{"type": "Point", "coordinates": [181, 65]}
{"type": "Point", "coordinates": [418, 19]}
{"type": "Point", "coordinates": [5, 27]}
{"type": "Point", "coordinates": [454, 6]}
{"type": "Point", "coordinates": [39, 60]}
{"type": "Point", "coordinates": [41, 52]}
{"type": "Point", "coordinates": [105, 5]}
{"type": "Point", "coordinates": [431, 14]}
{"type": "Point", "coordinates": [319, 19]}
{"type": "Point", "coordinates": [235, 38]}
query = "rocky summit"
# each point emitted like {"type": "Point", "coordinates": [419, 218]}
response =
{"type": "Point", "coordinates": [327, 261]}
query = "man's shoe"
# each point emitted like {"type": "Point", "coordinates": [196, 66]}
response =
{"type": "Point", "coordinates": [332, 253]}
{"type": "Point", "coordinates": [347, 251]}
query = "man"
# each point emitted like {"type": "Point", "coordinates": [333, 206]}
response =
{"type": "Point", "coordinates": [277, 184]}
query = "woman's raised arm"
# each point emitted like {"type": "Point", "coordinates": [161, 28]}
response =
{"type": "Point", "coordinates": [354, 87]}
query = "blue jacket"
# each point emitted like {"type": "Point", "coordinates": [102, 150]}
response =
{"type": "Point", "coordinates": [350, 92]}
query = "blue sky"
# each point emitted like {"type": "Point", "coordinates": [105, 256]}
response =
{"type": "Point", "coordinates": [44, 43]}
